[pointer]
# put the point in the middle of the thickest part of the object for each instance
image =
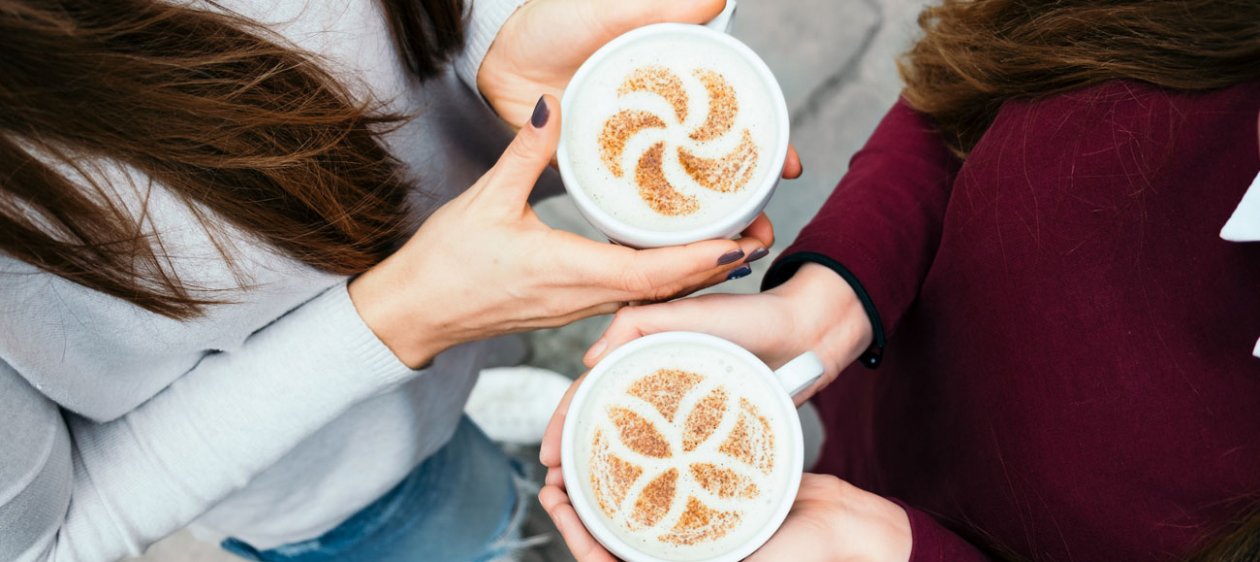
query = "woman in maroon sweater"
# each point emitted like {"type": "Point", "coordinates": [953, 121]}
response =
{"type": "Point", "coordinates": [1034, 233]}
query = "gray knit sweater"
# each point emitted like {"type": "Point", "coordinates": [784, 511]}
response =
{"type": "Point", "coordinates": [272, 418]}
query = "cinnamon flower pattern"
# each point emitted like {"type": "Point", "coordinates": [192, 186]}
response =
{"type": "Point", "coordinates": [728, 173]}
{"type": "Point", "coordinates": [680, 458]}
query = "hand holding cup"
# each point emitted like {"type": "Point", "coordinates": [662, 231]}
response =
{"type": "Point", "coordinates": [824, 519]}
{"type": "Point", "coordinates": [484, 264]}
{"type": "Point", "coordinates": [816, 310]}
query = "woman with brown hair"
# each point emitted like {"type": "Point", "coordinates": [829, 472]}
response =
{"type": "Point", "coordinates": [1028, 252]}
{"type": "Point", "coordinates": [244, 280]}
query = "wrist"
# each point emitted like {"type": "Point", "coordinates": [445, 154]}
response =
{"type": "Point", "coordinates": [828, 315]}
{"type": "Point", "coordinates": [870, 526]}
{"type": "Point", "coordinates": [383, 307]}
{"type": "Point", "coordinates": [884, 528]}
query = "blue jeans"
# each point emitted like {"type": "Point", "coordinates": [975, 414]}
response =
{"type": "Point", "coordinates": [460, 505]}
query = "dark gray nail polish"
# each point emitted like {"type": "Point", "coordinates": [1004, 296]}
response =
{"type": "Point", "coordinates": [541, 114]}
{"type": "Point", "coordinates": [757, 254]}
{"type": "Point", "coordinates": [740, 273]}
{"type": "Point", "coordinates": [731, 257]}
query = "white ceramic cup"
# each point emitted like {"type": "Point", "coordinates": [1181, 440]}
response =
{"type": "Point", "coordinates": [727, 226]}
{"type": "Point", "coordinates": [794, 377]}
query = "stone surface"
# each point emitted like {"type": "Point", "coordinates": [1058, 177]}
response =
{"type": "Point", "coordinates": [835, 60]}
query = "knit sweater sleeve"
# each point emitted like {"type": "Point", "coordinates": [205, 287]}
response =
{"type": "Point", "coordinates": [880, 227]}
{"type": "Point", "coordinates": [75, 490]}
{"type": "Point", "coordinates": [932, 542]}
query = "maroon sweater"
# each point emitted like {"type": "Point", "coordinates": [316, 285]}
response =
{"type": "Point", "coordinates": [1068, 371]}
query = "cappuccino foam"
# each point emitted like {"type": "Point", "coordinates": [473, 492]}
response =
{"type": "Point", "coordinates": [671, 132]}
{"type": "Point", "coordinates": [685, 451]}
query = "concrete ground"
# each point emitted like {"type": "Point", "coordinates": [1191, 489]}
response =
{"type": "Point", "coordinates": [835, 60]}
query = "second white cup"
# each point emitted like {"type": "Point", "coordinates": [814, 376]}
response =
{"type": "Point", "coordinates": [681, 446]}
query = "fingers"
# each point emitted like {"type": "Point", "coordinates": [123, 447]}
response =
{"type": "Point", "coordinates": [750, 249]}
{"type": "Point", "coordinates": [549, 452]}
{"type": "Point", "coordinates": [761, 230]}
{"type": "Point", "coordinates": [580, 542]}
{"type": "Point", "coordinates": [695, 314]}
{"type": "Point", "coordinates": [554, 477]}
{"type": "Point", "coordinates": [553, 497]}
{"type": "Point", "coordinates": [633, 323]}
{"type": "Point", "coordinates": [512, 179]}
{"type": "Point", "coordinates": [629, 15]}
{"type": "Point", "coordinates": [792, 167]}
{"type": "Point", "coordinates": [654, 274]}
{"type": "Point", "coordinates": [657, 285]}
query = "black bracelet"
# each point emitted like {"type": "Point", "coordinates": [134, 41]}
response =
{"type": "Point", "coordinates": [786, 267]}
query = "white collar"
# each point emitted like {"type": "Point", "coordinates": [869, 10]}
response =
{"type": "Point", "coordinates": [1244, 224]}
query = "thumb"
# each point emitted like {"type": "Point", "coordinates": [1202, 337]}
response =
{"type": "Point", "coordinates": [513, 177]}
{"type": "Point", "coordinates": [711, 314]}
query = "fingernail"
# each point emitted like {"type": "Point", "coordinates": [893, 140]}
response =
{"type": "Point", "coordinates": [597, 349]}
{"type": "Point", "coordinates": [541, 114]}
{"type": "Point", "coordinates": [757, 254]}
{"type": "Point", "coordinates": [740, 273]}
{"type": "Point", "coordinates": [731, 257]}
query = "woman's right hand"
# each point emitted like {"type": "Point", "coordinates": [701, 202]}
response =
{"type": "Point", "coordinates": [484, 264]}
{"type": "Point", "coordinates": [830, 519]}
{"type": "Point", "coordinates": [816, 310]}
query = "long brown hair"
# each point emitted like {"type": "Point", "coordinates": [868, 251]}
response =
{"type": "Point", "coordinates": [209, 105]}
{"type": "Point", "coordinates": [976, 54]}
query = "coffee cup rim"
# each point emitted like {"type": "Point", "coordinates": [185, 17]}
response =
{"type": "Point", "coordinates": [639, 237]}
{"type": "Point", "coordinates": [583, 505]}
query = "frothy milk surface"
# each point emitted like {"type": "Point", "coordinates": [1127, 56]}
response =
{"type": "Point", "coordinates": [671, 132]}
{"type": "Point", "coordinates": [682, 452]}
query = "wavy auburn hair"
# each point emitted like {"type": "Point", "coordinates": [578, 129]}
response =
{"type": "Point", "coordinates": [976, 54]}
{"type": "Point", "coordinates": [213, 107]}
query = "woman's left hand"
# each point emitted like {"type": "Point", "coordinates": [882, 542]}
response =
{"type": "Point", "coordinates": [830, 521]}
{"type": "Point", "coordinates": [542, 45]}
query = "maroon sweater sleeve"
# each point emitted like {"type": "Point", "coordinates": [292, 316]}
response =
{"type": "Point", "coordinates": [932, 542]}
{"type": "Point", "coordinates": [880, 228]}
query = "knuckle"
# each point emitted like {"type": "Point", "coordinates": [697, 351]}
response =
{"type": "Point", "coordinates": [613, 307]}
{"type": "Point", "coordinates": [523, 147]}
{"type": "Point", "coordinates": [666, 292]}
{"type": "Point", "coordinates": [634, 281]}
{"type": "Point", "coordinates": [625, 318]}
{"type": "Point", "coordinates": [829, 484]}
{"type": "Point", "coordinates": [555, 308]}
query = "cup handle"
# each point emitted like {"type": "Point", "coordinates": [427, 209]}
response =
{"type": "Point", "coordinates": [723, 20]}
{"type": "Point", "coordinates": [800, 373]}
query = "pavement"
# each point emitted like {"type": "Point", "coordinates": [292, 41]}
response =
{"type": "Point", "coordinates": [836, 63]}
